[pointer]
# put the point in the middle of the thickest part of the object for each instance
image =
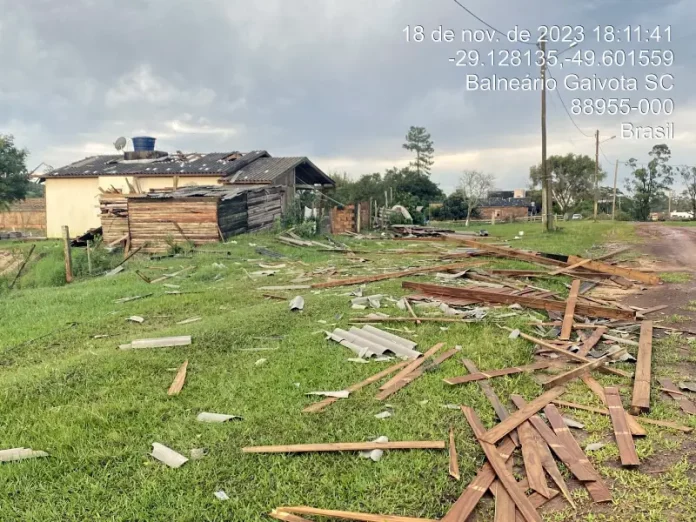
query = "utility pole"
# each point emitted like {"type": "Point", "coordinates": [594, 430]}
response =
{"type": "Point", "coordinates": [546, 199]}
{"type": "Point", "coordinates": [613, 204]}
{"type": "Point", "coordinates": [596, 175]}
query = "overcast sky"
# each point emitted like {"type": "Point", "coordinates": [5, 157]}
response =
{"type": "Point", "coordinates": [334, 80]}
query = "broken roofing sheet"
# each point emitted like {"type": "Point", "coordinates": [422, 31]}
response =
{"type": "Point", "coordinates": [370, 341]}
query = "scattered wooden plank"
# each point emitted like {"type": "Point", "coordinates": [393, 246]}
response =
{"type": "Point", "coordinates": [567, 326]}
{"type": "Point", "coordinates": [582, 370]}
{"type": "Point", "coordinates": [467, 501]}
{"type": "Point", "coordinates": [408, 379]}
{"type": "Point", "coordinates": [179, 380]}
{"type": "Point", "coordinates": [362, 320]}
{"type": "Point", "coordinates": [350, 515]}
{"type": "Point", "coordinates": [161, 342]}
{"type": "Point", "coordinates": [170, 276]}
{"type": "Point", "coordinates": [130, 254]}
{"type": "Point", "coordinates": [410, 310]}
{"type": "Point", "coordinates": [488, 296]}
{"type": "Point", "coordinates": [549, 464]}
{"type": "Point", "coordinates": [498, 464]}
{"type": "Point", "coordinates": [507, 252]}
{"type": "Point", "coordinates": [479, 376]}
{"type": "Point", "coordinates": [628, 273]}
{"type": "Point", "coordinates": [685, 404]}
{"type": "Point", "coordinates": [570, 267]}
{"type": "Point", "coordinates": [319, 406]}
{"type": "Point", "coordinates": [514, 420]}
{"type": "Point", "coordinates": [582, 471]}
{"type": "Point", "coordinates": [592, 341]}
{"type": "Point", "coordinates": [640, 402]}
{"type": "Point", "coordinates": [636, 429]}
{"type": "Point", "coordinates": [287, 517]}
{"type": "Point", "coordinates": [493, 399]}
{"type": "Point", "coordinates": [627, 450]}
{"type": "Point", "coordinates": [620, 340]}
{"type": "Point", "coordinates": [612, 254]}
{"type": "Point", "coordinates": [571, 355]}
{"type": "Point", "coordinates": [453, 457]}
{"type": "Point", "coordinates": [504, 505]}
{"type": "Point", "coordinates": [347, 446]}
{"type": "Point", "coordinates": [531, 455]}
{"type": "Point", "coordinates": [596, 487]}
{"type": "Point", "coordinates": [411, 366]}
{"type": "Point", "coordinates": [393, 275]}
{"type": "Point", "coordinates": [21, 267]}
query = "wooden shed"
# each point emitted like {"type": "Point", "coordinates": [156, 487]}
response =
{"type": "Point", "coordinates": [200, 215]}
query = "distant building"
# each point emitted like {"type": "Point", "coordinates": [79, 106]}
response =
{"type": "Point", "coordinates": [505, 209]}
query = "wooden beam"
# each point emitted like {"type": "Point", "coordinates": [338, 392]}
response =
{"type": "Point", "coordinates": [507, 252]}
{"type": "Point", "coordinates": [636, 429]}
{"type": "Point", "coordinates": [592, 341]}
{"type": "Point", "coordinates": [624, 440]}
{"type": "Point", "coordinates": [347, 446]}
{"type": "Point", "coordinates": [179, 380]}
{"type": "Point", "coordinates": [493, 399]}
{"type": "Point", "coordinates": [411, 366]}
{"type": "Point", "coordinates": [488, 296]}
{"type": "Point", "coordinates": [498, 464]}
{"type": "Point", "coordinates": [628, 273]}
{"type": "Point", "coordinates": [570, 267]}
{"type": "Point", "coordinates": [287, 517]}
{"type": "Point", "coordinates": [410, 310]}
{"type": "Point", "coordinates": [408, 379]}
{"type": "Point", "coordinates": [349, 515]}
{"type": "Point", "coordinates": [531, 455]}
{"type": "Point", "coordinates": [67, 254]}
{"type": "Point", "coordinates": [567, 326]}
{"type": "Point", "coordinates": [319, 406]}
{"type": "Point", "coordinates": [467, 501]}
{"type": "Point", "coordinates": [571, 355]}
{"type": "Point", "coordinates": [514, 420]}
{"type": "Point", "coordinates": [453, 457]}
{"type": "Point", "coordinates": [596, 487]}
{"type": "Point", "coordinates": [581, 370]}
{"type": "Point", "coordinates": [489, 374]}
{"type": "Point", "coordinates": [640, 402]}
{"type": "Point", "coordinates": [21, 267]}
{"type": "Point", "coordinates": [685, 404]}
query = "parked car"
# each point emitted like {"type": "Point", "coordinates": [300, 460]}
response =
{"type": "Point", "coordinates": [576, 216]}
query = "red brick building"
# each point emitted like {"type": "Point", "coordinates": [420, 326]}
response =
{"type": "Point", "coordinates": [505, 209]}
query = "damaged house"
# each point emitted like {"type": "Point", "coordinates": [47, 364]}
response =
{"type": "Point", "coordinates": [103, 191]}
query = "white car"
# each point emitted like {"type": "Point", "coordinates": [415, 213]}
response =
{"type": "Point", "coordinates": [576, 216]}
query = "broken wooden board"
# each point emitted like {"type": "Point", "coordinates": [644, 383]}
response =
{"type": "Point", "coordinates": [453, 457]}
{"type": "Point", "coordinates": [514, 420]}
{"type": "Point", "coordinates": [628, 273]}
{"type": "Point", "coordinates": [479, 376]}
{"type": "Point", "coordinates": [393, 275]}
{"type": "Point", "coordinates": [286, 517]}
{"type": "Point", "coordinates": [347, 446]}
{"type": "Point", "coordinates": [636, 429]}
{"type": "Point", "coordinates": [685, 404]}
{"type": "Point", "coordinates": [507, 252]}
{"type": "Point", "coordinates": [531, 455]}
{"type": "Point", "coordinates": [640, 402]}
{"type": "Point", "coordinates": [319, 406]}
{"type": "Point", "coordinates": [488, 296]}
{"type": "Point", "coordinates": [409, 378]}
{"type": "Point", "coordinates": [567, 326]}
{"type": "Point", "coordinates": [570, 267]}
{"type": "Point", "coordinates": [179, 380]}
{"type": "Point", "coordinates": [592, 341]}
{"type": "Point", "coordinates": [14, 454]}
{"type": "Point", "coordinates": [160, 342]}
{"type": "Point", "coordinates": [498, 464]}
{"type": "Point", "coordinates": [582, 370]}
{"type": "Point", "coordinates": [624, 440]}
{"type": "Point", "coordinates": [411, 366]}
{"type": "Point", "coordinates": [349, 515]}
{"type": "Point", "coordinates": [493, 399]}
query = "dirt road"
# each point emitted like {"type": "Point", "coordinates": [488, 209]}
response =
{"type": "Point", "coordinates": [674, 247]}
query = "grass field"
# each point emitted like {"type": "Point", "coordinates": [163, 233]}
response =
{"type": "Point", "coordinates": [97, 409]}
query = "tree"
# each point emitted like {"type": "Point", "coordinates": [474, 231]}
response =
{"type": "Point", "coordinates": [648, 183]}
{"type": "Point", "coordinates": [14, 178]}
{"type": "Point", "coordinates": [418, 140]}
{"type": "Point", "coordinates": [688, 175]}
{"type": "Point", "coordinates": [572, 179]}
{"type": "Point", "coordinates": [474, 186]}
{"type": "Point", "coordinates": [411, 188]}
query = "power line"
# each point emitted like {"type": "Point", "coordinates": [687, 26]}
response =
{"type": "Point", "coordinates": [567, 111]}
{"type": "Point", "coordinates": [484, 22]}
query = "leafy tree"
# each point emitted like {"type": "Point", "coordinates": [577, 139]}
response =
{"type": "Point", "coordinates": [647, 183]}
{"type": "Point", "coordinates": [14, 178]}
{"type": "Point", "coordinates": [418, 140]}
{"type": "Point", "coordinates": [572, 179]}
{"type": "Point", "coordinates": [474, 186]}
{"type": "Point", "coordinates": [411, 188]}
{"type": "Point", "coordinates": [688, 175]}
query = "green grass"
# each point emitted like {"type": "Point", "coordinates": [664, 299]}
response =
{"type": "Point", "coordinates": [97, 409]}
{"type": "Point", "coordinates": [675, 277]}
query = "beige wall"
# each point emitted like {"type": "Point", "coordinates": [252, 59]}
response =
{"type": "Point", "coordinates": [73, 202]}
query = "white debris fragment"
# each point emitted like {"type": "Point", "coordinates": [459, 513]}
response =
{"type": "Point", "coordinates": [136, 319]}
{"type": "Point", "coordinates": [423, 402]}
{"type": "Point", "coordinates": [374, 301]}
{"type": "Point", "coordinates": [263, 273]}
{"type": "Point", "coordinates": [358, 360]}
{"type": "Point", "coordinates": [219, 266]}
{"type": "Point", "coordinates": [375, 455]}
{"type": "Point", "coordinates": [342, 394]}
{"type": "Point", "coordinates": [383, 358]}
{"type": "Point", "coordinates": [515, 306]}
{"type": "Point", "coordinates": [358, 292]}
{"type": "Point", "coordinates": [514, 334]}
{"type": "Point", "coordinates": [383, 415]}
{"type": "Point", "coordinates": [260, 362]}
{"type": "Point", "coordinates": [221, 495]}
{"type": "Point", "coordinates": [198, 453]}
{"type": "Point", "coordinates": [594, 447]}
{"type": "Point", "coordinates": [297, 303]}
{"type": "Point", "coordinates": [169, 285]}
{"type": "Point", "coordinates": [167, 455]}
{"type": "Point", "coordinates": [444, 328]}
{"type": "Point", "coordinates": [451, 406]}
{"type": "Point", "coordinates": [205, 416]}
{"type": "Point", "coordinates": [401, 304]}
{"type": "Point", "coordinates": [272, 267]}
{"type": "Point", "coordinates": [573, 423]}
{"type": "Point", "coordinates": [13, 454]}
{"type": "Point", "coordinates": [359, 307]}
{"type": "Point", "coordinates": [447, 310]}
{"type": "Point", "coordinates": [190, 320]}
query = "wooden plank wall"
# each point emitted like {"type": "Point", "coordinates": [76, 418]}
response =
{"type": "Point", "coordinates": [154, 222]}
{"type": "Point", "coordinates": [264, 206]}
{"type": "Point", "coordinates": [114, 216]}
{"type": "Point", "coordinates": [232, 216]}
{"type": "Point", "coordinates": [25, 215]}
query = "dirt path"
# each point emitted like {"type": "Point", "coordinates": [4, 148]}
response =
{"type": "Point", "coordinates": [674, 247]}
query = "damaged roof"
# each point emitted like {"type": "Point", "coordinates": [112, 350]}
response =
{"type": "Point", "coordinates": [224, 192]}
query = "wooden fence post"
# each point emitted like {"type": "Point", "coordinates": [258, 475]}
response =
{"type": "Point", "coordinates": [67, 253]}
{"type": "Point", "coordinates": [89, 258]}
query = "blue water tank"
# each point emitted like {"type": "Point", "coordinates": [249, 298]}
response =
{"type": "Point", "coordinates": [143, 143]}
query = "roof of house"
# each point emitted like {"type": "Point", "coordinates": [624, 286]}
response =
{"type": "Point", "coordinates": [234, 167]}
{"type": "Point", "coordinates": [512, 202]}
{"type": "Point", "coordinates": [223, 192]}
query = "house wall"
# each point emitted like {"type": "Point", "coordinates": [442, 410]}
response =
{"type": "Point", "coordinates": [73, 202]}
{"type": "Point", "coordinates": [24, 215]}
{"type": "Point", "coordinates": [502, 213]}
{"type": "Point", "coordinates": [156, 182]}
